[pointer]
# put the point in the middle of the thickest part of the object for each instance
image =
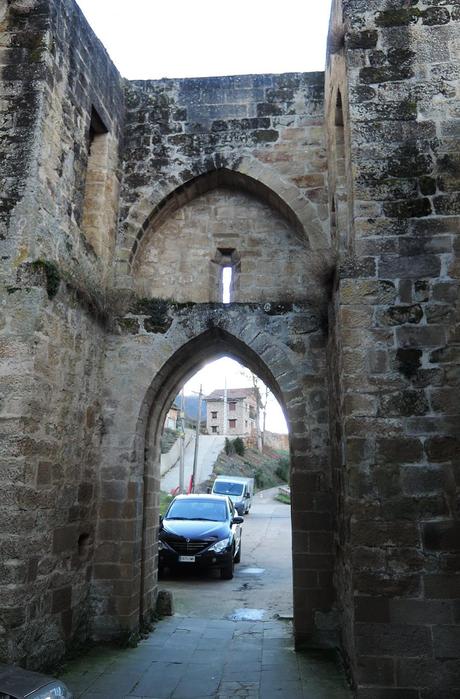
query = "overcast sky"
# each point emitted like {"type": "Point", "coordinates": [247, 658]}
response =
{"type": "Point", "coordinates": [182, 38]}
{"type": "Point", "coordinates": [214, 375]}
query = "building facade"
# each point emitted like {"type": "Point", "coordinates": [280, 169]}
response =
{"type": "Point", "coordinates": [232, 412]}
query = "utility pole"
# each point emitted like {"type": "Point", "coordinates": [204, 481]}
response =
{"type": "Point", "coordinates": [182, 445]}
{"type": "Point", "coordinates": [197, 436]}
{"type": "Point", "coordinates": [225, 407]}
{"type": "Point", "coordinates": [258, 433]}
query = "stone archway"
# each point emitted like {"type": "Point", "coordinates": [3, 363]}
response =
{"type": "Point", "coordinates": [245, 173]}
{"type": "Point", "coordinates": [285, 346]}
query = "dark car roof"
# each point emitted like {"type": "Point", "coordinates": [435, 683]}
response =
{"type": "Point", "coordinates": [19, 682]}
{"type": "Point", "coordinates": [201, 496]}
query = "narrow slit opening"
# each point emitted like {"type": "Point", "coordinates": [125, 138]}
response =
{"type": "Point", "coordinates": [227, 273]}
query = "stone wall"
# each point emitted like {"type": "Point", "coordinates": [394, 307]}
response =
{"type": "Point", "coordinates": [181, 261]}
{"type": "Point", "coordinates": [396, 347]}
{"type": "Point", "coordinates": [51, 327]}
{"type": "Point", "coordinates": [258, 134]}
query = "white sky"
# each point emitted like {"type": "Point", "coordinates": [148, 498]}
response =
{"type": "Point", "coordinates": [213, 376]}
{"type": "Point", "coordinates": [186, 38]}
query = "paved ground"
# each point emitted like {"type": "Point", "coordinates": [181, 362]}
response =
{"type": "Point", "coordinates": [209, 448]}
{"type": "Point", "coordinates": [263, 579]}
{"type": "Point", "coordinates": [227, 639]}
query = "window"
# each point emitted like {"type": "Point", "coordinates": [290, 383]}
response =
{"type": "Point", "coordinates": [338, 203]}
{"type": "Point", "coordinates": [232, 423]}
{"type": "Point", "coordinates": [227, 273]}
{"type": "Point", "coordinates": [95, 204]}
{"type": "Point", "coordinates": [214, 414]}
{"type": "Point", "coordinates": [214, 429]}
{"type": "Point", "coordinates": [232, 407]}
{"type": "Point", "coordinates": [224, 276]}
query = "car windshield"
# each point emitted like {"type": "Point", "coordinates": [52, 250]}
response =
{"type": "Point", "coordinates": [197, 509]}
{"type": "Point", "coordinates": [224, 488]}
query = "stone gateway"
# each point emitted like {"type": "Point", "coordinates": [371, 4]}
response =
{"type": "Point", "coordinates": [334, 197]}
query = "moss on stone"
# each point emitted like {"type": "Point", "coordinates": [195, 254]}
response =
{"type": "Point", "coordinates": [130, 326]}
{"type": "Point", "coordinates": [156, 310]}
{"type": "Point", "coordinates": [410, 208]}
{"type": "Point", "coordinates": [397, 17]}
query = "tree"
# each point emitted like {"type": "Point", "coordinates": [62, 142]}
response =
{"type": "Point", "coordinates": [262, 393]}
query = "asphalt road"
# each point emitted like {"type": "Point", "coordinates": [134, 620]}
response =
{"type": "Point", "coordinates": [209, 448]}
{"type": "Point", "coordinates": [225, 640]}
{"type": "Point", "coordinates": [262, 586]}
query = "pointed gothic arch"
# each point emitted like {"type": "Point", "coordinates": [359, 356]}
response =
{"type": "Point", "coordinates": [263, 347]}
{"type": "Point", "coordinates": [246, 174]}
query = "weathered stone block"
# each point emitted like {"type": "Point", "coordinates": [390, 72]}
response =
{"type": "Point", "coordinates": [424, 337]}
{"type": "Point", "coordinates": [399, 315]}
{"type": "Point", "coordinates": [367, 291]}
{"type": "Point", "coordinates": [441, 586]}
{"type": "Point", "coordinates": [377, 671]}
{"type": "Point", "coordinates": [441, 536]}
{"type": "Point", "coordinates": [435, 15]}
{"type": "Point", "coordinates": [404, 403]}
{"type": "Point", "coordinates": [392, 266]}
{"type": "Point", "coordinates": [62, 599]}
{"type": "Point", "coordinates": [372, 609]}
{"type": "Point", "coordinates": [398, 450]}
{"type": "Point", "coordinates": [414, 208]}
{"type": "Point", "coordinates": [393, 639]}
{"type": "Point", "coordinates": [65, 539]}
{"type": "Point", "coordinates": [446, 642]}
{"type": "Point", "coordinates": [442, 448]}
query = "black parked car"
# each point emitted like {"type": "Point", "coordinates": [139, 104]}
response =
{"type": "Point", "coordinates": [202, 531]}
{"type": "Point", "coordinates": [16, 683]}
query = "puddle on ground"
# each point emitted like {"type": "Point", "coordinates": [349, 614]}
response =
{"type": "Point", "coordinates": [247, 615]}
{"type": "Point", "coordinates": [252, 571]}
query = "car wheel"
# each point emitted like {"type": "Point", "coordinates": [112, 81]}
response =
{"type": "Point", "coordinates": [238, 555]}
{"type": "Point", "coordinates": [226, 573]}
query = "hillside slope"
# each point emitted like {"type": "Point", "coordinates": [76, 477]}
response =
{"type": "Point", "coordinates": [268, 469]}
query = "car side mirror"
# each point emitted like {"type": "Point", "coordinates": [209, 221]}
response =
{"type": "Point", "coordinates": [247, 495]}
{"type": "Point", "coordinates": [237, 520]}
{"type": "Point", "coordinates": [161, 521]}
{"type": "Point", "coordinates": [208, 490]}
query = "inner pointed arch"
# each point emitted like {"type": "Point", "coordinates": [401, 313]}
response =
{"type": "Point", "coordinates": [192, 357]}
{"type": "Point", "coordinates": [203, 183]}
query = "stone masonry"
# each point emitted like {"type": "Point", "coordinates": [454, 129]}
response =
{"type": "Point", "coordinates": [335, 199]}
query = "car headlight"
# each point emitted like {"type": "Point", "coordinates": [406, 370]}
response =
{"type": "Point", "coordinates": [55, 690]}
{"type": "Point", "coordinates": [220, 545]}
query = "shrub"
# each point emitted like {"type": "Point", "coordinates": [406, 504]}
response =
{"type": "Point", "coordinates": [238, 446]}
{"type": "Point", "coordinates": [282, 470]}
{"type": "Point", "coordinates": [259, 479]}
{"type": "Point", "coordinates": [234, 446]}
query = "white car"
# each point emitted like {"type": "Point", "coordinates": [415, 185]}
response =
{"type": "Point", "coordinates": [16, 683]}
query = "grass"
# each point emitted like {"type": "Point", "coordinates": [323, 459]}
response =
{"type": "Point", "coordinates": [285, 499]}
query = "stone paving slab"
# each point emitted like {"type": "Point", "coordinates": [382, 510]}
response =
{"type": "Point", "coordinates": [195, 659]}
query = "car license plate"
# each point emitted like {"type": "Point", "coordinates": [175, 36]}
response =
{"type": "Point", "coordinates": [186, 559]}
